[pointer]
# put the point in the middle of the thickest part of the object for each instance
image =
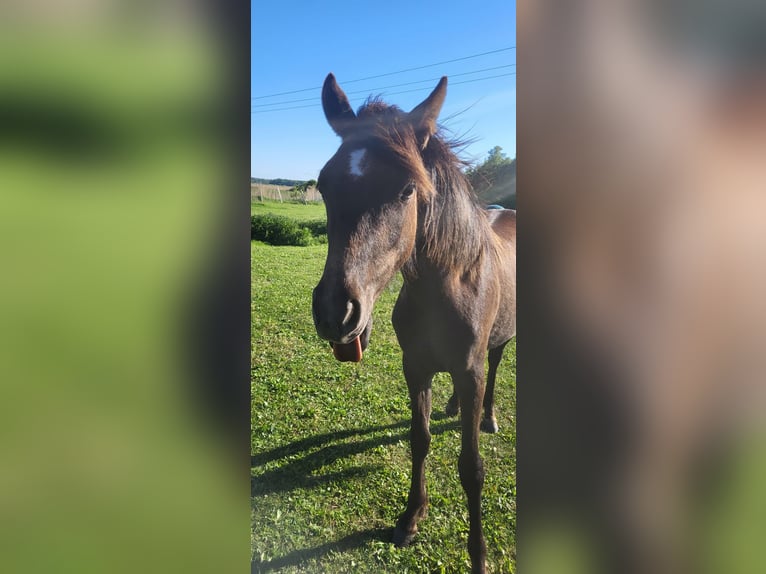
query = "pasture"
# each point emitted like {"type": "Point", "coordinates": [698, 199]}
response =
{"type": "Point", "coordinates": [302, 211]}
{"type": "Point", "coordinates": [330, 462]}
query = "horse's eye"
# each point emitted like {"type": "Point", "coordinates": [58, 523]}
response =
{"type": "Point", "coordinates": [407, 192]}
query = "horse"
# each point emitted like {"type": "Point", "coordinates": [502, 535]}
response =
{"type": "Point", "coordinates": [397, 200]}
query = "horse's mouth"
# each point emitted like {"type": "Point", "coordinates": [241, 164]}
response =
{"type": "Point", "coordinates": [354, 349]}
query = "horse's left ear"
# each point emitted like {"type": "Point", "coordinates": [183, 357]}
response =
{"type": "Point", "coordinates": [337, 110]}
{"type": "Point", "coordinates": [424, 116]}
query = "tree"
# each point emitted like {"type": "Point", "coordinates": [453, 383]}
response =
{"type": "Point", "coordinates": [494, 180]}
{"type": "Point", "coordinates": [496, 157]}
{"type": "Point", "coordinates": [306, 185]}
{"type": "Point", "coordinates": [300, 190]}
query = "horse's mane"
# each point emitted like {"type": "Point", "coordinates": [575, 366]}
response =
{"type": "Point", "coordinates": [453, 229]}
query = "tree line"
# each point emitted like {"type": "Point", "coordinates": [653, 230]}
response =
{"type": "Point", "coordinates": [277, 181]}
{"type": "Point", "coordinates": [494, 179]}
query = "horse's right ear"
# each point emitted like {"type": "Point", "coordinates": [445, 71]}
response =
{"type": "Point", "coordinates": [336, 108]}
{"type": "Point", "coordinates": [424, 116]}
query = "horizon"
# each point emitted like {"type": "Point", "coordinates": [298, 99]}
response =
{"type": "Point", "coordinates": [290, 138]}
{"type": "Point", "coordinates": [293, 179]}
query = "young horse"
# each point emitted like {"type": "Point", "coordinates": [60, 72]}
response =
{"type": "Point", "coordinates": [397, 200]}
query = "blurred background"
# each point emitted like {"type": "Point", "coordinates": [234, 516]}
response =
{"type": "Point", "coordinates": [642, 132]}
{"type": "Point", "coordinates": [124, 287]}
{"type": "Point", "coordinates": [124, 301]}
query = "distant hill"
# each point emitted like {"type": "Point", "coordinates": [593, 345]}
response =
{"type": "Point", "coordinates": [277, 181]}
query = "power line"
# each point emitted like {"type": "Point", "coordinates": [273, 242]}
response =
{"type": "Point", "coordinates": [385, 87]}
{"type": "Point", "coordinates": [391, 94]}
{"type": "Point", "coordinates": [389, 73]}
{"type": "Point", "coordinates": [456, 83]}
{"type": "Point", "coordinates": [283, 109]}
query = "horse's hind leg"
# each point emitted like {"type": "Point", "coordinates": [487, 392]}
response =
{"type": "Point", "coordinates": [419, 385]}
{"type": "Point", "coordinates": [453, 404]}
{"type": "Point", "coordinates": [489, 423]}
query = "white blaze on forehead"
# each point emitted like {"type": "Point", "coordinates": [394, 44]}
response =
{"type": "Point", "coordinates": [355, 162]}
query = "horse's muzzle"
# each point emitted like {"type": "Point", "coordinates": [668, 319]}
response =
{"type": "Point", "coordinates": [338, 317]}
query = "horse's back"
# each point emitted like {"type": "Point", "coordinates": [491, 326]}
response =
{"type": "Point", "coordinates": [503, 222]}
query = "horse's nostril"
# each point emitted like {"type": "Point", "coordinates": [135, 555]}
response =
{"type": "Point", "coordinates": [353, 312]}
{"type": "Point", "coordinates": [349, 312]}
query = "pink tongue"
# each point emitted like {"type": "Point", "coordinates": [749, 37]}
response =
{"type": "Point", "coordinates": [348, 352]}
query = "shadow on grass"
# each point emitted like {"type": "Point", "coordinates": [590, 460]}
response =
{"type": "Point", "coordinates": [318, 440]}
{"type": "Point", "coordinates": [344, 544]}
{"type": "Point", "coordinates": [299, 473]}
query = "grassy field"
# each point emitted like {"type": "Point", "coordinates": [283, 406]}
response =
{"type": "Point", "coordinates": [308, 211]}
{"type": "Point", "coordinates": [330, 459]}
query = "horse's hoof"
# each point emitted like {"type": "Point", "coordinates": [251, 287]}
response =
{"type": "Point", "coordinates": [451, 410]}
{"type": "Point", "coordinates": [402, 538]}
{"type": "Point", "coordinates": [489, 426]}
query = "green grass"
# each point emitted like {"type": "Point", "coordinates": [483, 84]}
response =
{"type": "Point", "coordinates": [330, 465]}
{"type": "Point", "coordinates": [308, 211]}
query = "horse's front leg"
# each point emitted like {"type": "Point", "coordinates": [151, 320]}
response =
{"type": "Point", "coordinates": [419, 385]}
{"type": "Point", "coordinates": [470, 389]}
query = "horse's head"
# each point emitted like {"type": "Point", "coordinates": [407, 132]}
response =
{"type": "Point", "coordinates": [371, 188]}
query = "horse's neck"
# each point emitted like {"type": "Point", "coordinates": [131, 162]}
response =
{"type": "Point", "coordinates": [451, 239]}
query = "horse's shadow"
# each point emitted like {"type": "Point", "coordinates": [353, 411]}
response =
{"type": "Point", "coordinates": [298, 472]}
{"type": "Point", "coordinates": [344, 544]}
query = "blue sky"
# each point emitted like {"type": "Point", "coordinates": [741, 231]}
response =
{"type": "Point", "coordinates": [294, 44]}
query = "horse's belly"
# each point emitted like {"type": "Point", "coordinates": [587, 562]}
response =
{"type": "Point", "coordinates": [504, 327]}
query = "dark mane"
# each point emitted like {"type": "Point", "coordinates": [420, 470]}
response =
{"type": "Point", "coordinates": [453, 209]}
{"type": "Point", "coordinates": [448, 204]}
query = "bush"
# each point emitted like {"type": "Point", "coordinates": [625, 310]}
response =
{"type": "Point", "coordinates": [279, 230]}
{"type": "Point", "coordinates": [317, 227]}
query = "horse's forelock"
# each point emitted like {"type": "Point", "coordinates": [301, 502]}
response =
{"type": "Point", "coordinates": [388, 125]}
{"type": "Point", "coordinates": [374, 106]}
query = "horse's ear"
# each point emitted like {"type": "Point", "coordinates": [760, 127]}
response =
{"type": "Point", "coordinates": [423, 117]}
{"type": "Point", "coordinates": [336, 108]}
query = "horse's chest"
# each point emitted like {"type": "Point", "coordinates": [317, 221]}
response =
{"type": "Point", "coordinates": [435, 331]}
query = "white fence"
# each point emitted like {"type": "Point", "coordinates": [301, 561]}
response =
{"type": "Point", "coordinates": [259, 192]}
